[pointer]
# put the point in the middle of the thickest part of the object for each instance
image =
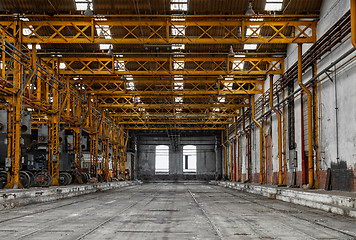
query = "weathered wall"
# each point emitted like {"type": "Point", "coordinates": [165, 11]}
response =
{"type": "Point", "coordinates": [343, 164]}
{"type": "Point", "coordinates": [207, 156]}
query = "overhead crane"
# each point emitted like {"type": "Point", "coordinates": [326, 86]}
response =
{"type": "Point", "coordinates": [151, 65]}
{"type": "Point", "coordinates": [60, 99]}
{"type": "Point", "coordinates": [157, 29]}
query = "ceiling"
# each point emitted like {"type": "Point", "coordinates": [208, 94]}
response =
{"type": "Point", "coordinates": [147, 83]}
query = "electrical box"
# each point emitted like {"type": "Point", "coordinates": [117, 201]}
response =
{"type": "Point", "coordinates": [42, 134]}
{"type": "Point", "coordinates": [3, 121]}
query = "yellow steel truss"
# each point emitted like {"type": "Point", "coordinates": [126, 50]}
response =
{"type": "Point", "coordinates": [187, 87]}
{"type": "Point", "coordinates": [155, 31]}
{"type": "Point", "coordinates": [178, 64]}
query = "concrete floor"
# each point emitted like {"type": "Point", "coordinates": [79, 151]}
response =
{"type": "Point", "coordinates": [172, 211]}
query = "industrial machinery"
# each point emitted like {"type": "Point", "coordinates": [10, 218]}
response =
{"type": "Point", "coordinates": [34, 158]}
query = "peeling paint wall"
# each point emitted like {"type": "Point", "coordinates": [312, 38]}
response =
{"type": "Point", "coordinates": [342, 166]}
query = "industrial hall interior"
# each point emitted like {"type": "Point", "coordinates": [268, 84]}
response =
{"type": "Point", "coordinates": [177, 119]}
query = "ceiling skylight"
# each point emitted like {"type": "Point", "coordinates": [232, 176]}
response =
{"type": "Point", "coordinates": [251, 46]}
{"type": "Point", "coordinates": [130, 86]}
{"type": "Point", "coordinates": [178, 77]}
{"type": "Point", "coordinates": [62, 65]}
{"type": "Point", "coordinates": [178, 30]}
{"type": "Point", "coordinates": [221, 99]}
{"type": "Point", "coordinates": [38, 46]}
{"type": "Point", "coordinates": [178, 46]}
{"type": "Point", "coordinates": [82, 5]}
{"type": "Point", "coordinates": [29, 30]}
{"type": "Point", "coordinates": [179, 5]}
{"type": "Point", "coordinates": [105, 46]}
{"type": "Point", "coordinates": [178, 99]}
{"type": "Point", "coordinates": [178, 65]}
{"type": "Point", "coordinates": [178, 85]}
{"type": "Point", "coordinates": [273, 5]}
{"type": "Point", "coordinates": [256, 28]}
{"type": "Point", "coordinates": [237, 65]}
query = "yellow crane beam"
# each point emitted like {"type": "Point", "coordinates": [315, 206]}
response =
{"type": "Point", "coordinates": [171, 87]}
{"type": "Point", "coordinates": [168, 31]}
{"type": "Point", "coordinates": [172, 64]}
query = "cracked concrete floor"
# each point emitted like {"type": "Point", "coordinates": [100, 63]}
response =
{"type": "Point", "coordinates": [172, 211]}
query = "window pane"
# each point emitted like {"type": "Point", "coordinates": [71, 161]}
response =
{"type": "Point", "coordinates": [189, 159]}
{"type": "Point", "coordinates": [162, 159]}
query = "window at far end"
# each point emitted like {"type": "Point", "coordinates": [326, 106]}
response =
{"type": "Point", "coordinates": [162, 159]}
{"type": "Point", "coordinates": [189, 159]}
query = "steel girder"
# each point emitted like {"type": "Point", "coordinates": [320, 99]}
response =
{"type": "Point", "coordinates": [172, 64]}
{"type": "Point", "coordinates": [152, 31]}
{"type": "Point", "coordinates": [160, 87]}
{"type": "Point", "coordinates": [182, 126]}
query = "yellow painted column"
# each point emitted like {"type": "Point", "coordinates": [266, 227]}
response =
{"type": "Point", "coordinates": [53, 147]}
{"type": "Point", "coordinates": [16, 127]}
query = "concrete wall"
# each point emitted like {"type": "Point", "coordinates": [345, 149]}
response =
{"type": "Point", "coordinates": [343, 166]}
{"type": "Point", "coordinates": [208, 158]}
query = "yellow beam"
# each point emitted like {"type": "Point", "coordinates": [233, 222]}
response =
{"type": "Point", "coordinates": [151, 88]}
{"type": "Point", "coordinates": [130, 31]}
{"type": "Point", "coordinates": [173, 115]}
{"type": "Point", "coordinates": [184, 65]}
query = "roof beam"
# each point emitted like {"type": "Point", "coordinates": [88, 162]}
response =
{"type": "Point", "coordinates": [195, 31]}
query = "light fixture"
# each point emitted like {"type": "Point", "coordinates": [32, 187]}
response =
{"type": "Point", "coordinates": [250, 11]}
{"type": "Point", "coordinates": [110, 52]}
{"type": "Point", "coordinates": [123, 77]}
{"type": "Point", "coordinates": [88, 12]}
{"type": "Point", "coordinates": [231, 51]}
{"type": "Point", "coordinates": [220, 77]}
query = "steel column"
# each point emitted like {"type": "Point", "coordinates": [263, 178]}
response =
{"type": "Point", "coordinates": [16, 125]}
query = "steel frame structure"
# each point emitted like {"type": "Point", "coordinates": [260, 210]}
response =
{"type": "Point", "coordinates": [39, 82]}
{"type": "Point", "coordinates": [27, 82]}
{"type": "Point", "coordinates": [151, 30]}
{"type": "Point", "coordinates": [177, 64]}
